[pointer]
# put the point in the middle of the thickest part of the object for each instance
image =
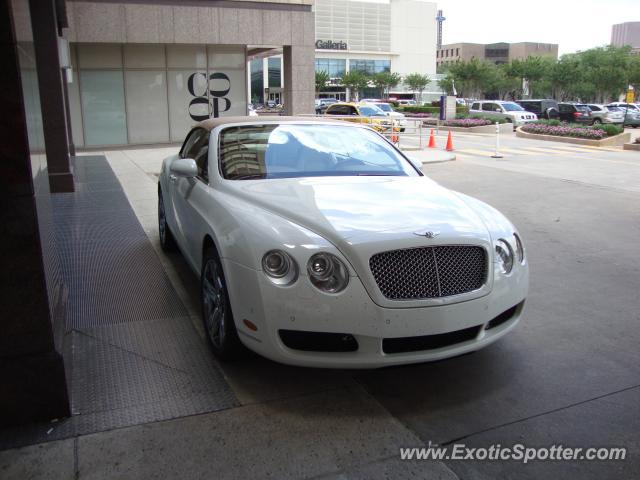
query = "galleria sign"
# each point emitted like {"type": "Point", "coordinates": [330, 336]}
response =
{"type": "Point", "coordinates": [330, 45]}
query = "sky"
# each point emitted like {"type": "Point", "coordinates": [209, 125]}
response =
{"type": "Point", "coordinates": [572, 24]}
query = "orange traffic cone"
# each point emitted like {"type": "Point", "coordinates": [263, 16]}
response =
{"type": "Point", "coordinates": [432, 140]}
{"type": "Point", "coordinates": [449, 147]}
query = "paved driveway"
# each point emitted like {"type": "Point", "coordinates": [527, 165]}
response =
{"type": "Point", "coordinates": [569, 374]}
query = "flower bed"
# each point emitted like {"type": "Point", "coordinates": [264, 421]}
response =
{"type": "Point", "coordinates": [562, 131]}
{"type": "Point", "coordinates": [464, 122]}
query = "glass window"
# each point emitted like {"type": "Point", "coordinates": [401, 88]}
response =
{"type": "Point", "coordinates": [103, 110]}
{"type": "Point", "coordinates": [286, 151]}
{"type": "Point", "coordinates": [197, 147]}
{"type": "Point", "coordinates": [335, 67]}
{"type": "Point", "coordinates": [371, 112]}
{"type": "Point", "coordinates": [186, 56]}
{"type": "Point", "coordinates": [274, 72]}
{"type": "Point", "coordinates": [144, 56]}
{"type": "Point", "coordinates": [226, 57]}
{"type": "Point", "coordinates": [147, 109]}
{"type": "Point", "coordinates": [99, 56]}
{"type": "Point", "coordinates": [227, 91]}
{"type": "Point", "coordinates": [188, 101]}
{"type": "Point", "coordinates": [489, 107]}
{"type": "Point", "coordinates": [512, 107]}
{"type": "Point", "coordinates": [257, 81]}
{"type": "Point", "coordinates": [475, 106]}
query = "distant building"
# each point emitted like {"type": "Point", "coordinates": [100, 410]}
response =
{"type": "Point", "coordinates": [627, 33]}
{"type": "Point", "coordinates": [493, 52]}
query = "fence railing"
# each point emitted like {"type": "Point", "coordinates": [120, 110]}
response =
{"type": "Point", "coordinates": [405, 133]}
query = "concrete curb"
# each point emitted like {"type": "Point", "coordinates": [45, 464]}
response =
{"type": "Point", "coordinates": [631, 146]}
{"type": "Point", "coordinates": [605, 142]}
{"type": "Point", "coordinates": [504, 128]}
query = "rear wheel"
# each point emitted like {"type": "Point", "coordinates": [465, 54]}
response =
{"type": "Point", "coordinates": [597, 121]}
{"type": "Point", "coordinates": [167, 242]}
{"type": "Point", "coordinates": [216, 309]}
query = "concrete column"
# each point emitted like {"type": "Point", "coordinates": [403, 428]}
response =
{"type": "Point", "coordinates": [31, 369]}
{"type": "Point", "coordinates": [299, 79]}
{"type": "Point", "coordinates": [52, 98]}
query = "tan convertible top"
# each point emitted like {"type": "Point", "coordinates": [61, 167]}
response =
{"type": "Point", "coordinates": [212, 123]}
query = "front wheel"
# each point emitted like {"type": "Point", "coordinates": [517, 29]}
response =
{"type": "Point", "coordinates": [216, 309]}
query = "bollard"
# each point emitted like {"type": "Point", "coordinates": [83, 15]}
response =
{"type": "Point", "coordinates": [497, 154]}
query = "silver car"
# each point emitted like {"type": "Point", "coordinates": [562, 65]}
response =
{"type": "Point", "coordinates": [509, 110]}
{"type": "Point", "coordinates": [631, 112]}
{"type": "Point", "coordinates": [605, 114]}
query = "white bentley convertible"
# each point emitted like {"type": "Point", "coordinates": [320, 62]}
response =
{"type": "Point", "coordinates": [318, 243]}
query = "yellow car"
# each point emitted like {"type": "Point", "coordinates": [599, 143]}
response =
{"type": "Point", "coordinates": [362, 112]}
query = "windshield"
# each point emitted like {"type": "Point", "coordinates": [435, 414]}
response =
{"type": "Point", "coordinates": [385, 107]}
{"type": "Point", "coordinates": [370, 111]}
{"type": "Point", "coordinates": [307, 150]}
{"type": "Point", "coordinates": [512, 107]}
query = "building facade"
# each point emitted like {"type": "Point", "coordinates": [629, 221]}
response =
{"type": "Point", "coordinates": [370, 36]}
{"type": "Point", "coordinates": [104, 73]}
{"type": "Point", "coordinates": [144, 72]}
{"type": "Point", "coordinates": [493, 52]}
{"type": "Point", "coordinates": [627, 33]}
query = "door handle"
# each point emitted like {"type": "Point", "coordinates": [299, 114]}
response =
{"type": "Point", "coordinates": [173, 178]}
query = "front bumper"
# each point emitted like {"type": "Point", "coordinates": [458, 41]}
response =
{"type": "Point", "coordinates": [302, 308]}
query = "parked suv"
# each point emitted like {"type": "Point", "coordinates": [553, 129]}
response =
{"type": "Point", "coordinates": [603, 114]}
{"type": "Point", "coordinates": [544, 108]}
{"type": "Point", "coordinates": [575, 113]}
{"type": "Point", "coordinates": [630, 111]}
{"type": "Point", "coordinates": [513, 112]}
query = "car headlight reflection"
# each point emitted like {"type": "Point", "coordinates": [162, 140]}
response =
{"type": "Point", "coordinates": [279, 267]}
{"type": "Point", "coordinates": [327, 272]}
{"type": "Point", "coordinates": [504, 256]}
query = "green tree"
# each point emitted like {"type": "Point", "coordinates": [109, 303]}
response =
{"type": "Point", "coordinates": [355, 81]}
{"type": "Point", "coordinates": [472, 78]}
{"type": "Point", "coordinates": [566, 78]}
{"type": "Point", "coordinates": [607, 70]}
{"type": "Point", "coordinates": [500, 83]}
{"type": "Point", "coordinates": [417, 82]}
{"type": "Point", "coordinates": [322, 78]}
{"type": "Point", "coordinates": [385, 81]}
{"type": "Point", "coordinates": [446, 84]}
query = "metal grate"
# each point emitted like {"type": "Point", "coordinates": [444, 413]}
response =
{"type": "Point", "coordinates": [429, 272]}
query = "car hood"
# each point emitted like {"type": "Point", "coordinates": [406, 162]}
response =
{"type": "Point", "coordinates": [363, 209]}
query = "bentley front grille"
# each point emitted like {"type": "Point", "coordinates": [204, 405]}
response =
{"type": "Point", "coordinates": [429, 272]}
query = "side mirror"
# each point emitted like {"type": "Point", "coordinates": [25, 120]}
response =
{"type": "Point", "coordinates": [499, 110]}
{"type": "Point", "coordinates": [184, 167]}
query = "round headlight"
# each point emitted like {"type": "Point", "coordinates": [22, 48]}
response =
{"type": "Point", "coordinates": [504, 256]}
{"type": "Point", "coordinates": [519, 248]}
{"type": "Point", "coordinates": [279, 267]}
{"type": "Point", "coordinates": [327, 273]}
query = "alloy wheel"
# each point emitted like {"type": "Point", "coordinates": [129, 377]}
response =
{"type": "Point", "coordinates": [214, 298]}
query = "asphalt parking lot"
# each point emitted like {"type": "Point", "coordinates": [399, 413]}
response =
{"type": "Point", "coordinates": [569, 374]}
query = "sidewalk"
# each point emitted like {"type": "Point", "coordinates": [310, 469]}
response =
{"type": "Point", "coordinates": [159, 414]}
